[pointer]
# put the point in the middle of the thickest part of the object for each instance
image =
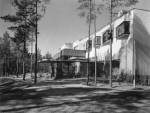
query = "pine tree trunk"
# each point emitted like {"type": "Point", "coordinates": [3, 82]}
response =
{"type": "Point", "coordinates": [23, 64]}
{"type": "Point", "coordinates": [36, 33]}
{"type": "Point", "coordinates": [88, 62]}
{"type": "Point", "coordinates": [31, 56]}
{"type": "Point", "coordinates": [8, 67]}
{"type": "Point", "coordinates": [5, 66]}
{"type": "Point", "coordinates": [24, 50]}
{"type": "Point", "coordinates": [17, 63]}
{"type": "Point", "coordinates": [24, 71]}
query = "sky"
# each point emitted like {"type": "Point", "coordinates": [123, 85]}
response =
{"type": "Point", "coordinates": [61, 23]}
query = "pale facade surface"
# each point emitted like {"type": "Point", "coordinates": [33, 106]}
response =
{"type": "Point", "coordinates": [80, 44]}
{"type": "Point", "coordinates": [66, 46]}
{"type": "Point", "coordinates": [131, 50]}
{"type": "Point", "coordinates": [141, 29]}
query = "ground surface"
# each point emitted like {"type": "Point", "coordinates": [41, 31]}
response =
{"type": "Point", "coordinates": [71, 96]}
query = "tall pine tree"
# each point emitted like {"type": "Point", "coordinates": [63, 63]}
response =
{"type": "Point", "coordinates": [25, 23]}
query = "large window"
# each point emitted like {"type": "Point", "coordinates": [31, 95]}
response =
{"type": "Point", "coordinates": [123, 30]}
{"type": "Point", "coordinates": [106, 37]}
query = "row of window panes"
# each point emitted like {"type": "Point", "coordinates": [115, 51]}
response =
{"type": "Point", "coordinates": [122, 30]}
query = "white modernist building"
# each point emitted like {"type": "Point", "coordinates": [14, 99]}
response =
{"type": "Point", "coordinates": [130, 45]}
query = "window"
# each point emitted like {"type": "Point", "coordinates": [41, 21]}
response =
{"type": "Point", "coordinates": [123, 30]}
{"type": "Point", "coordinates": [97, 40]}
{"type": "Point", "coordinates": [106, 37]}
{"type": "Point", "coordinates": [89, 44]}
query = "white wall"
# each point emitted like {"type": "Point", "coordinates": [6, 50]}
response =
{"type": "Point", "coordinates": [67, 46]}
{"type": "Point", "coordinates": [80, 44]}
{"type": "Point", "coordinates": [104, 50]}
{"type": "Point", "coordinates": [142, 41]}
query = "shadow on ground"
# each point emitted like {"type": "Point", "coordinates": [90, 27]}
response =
{"type": "Point", "coordinates": [18, 96]}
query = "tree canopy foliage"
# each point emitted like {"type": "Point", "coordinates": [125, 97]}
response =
{"type": "Point", "coordinates": [24, 19]}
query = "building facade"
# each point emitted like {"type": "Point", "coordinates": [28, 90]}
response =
{"type": "Point", "coordinates": [130, 45]}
